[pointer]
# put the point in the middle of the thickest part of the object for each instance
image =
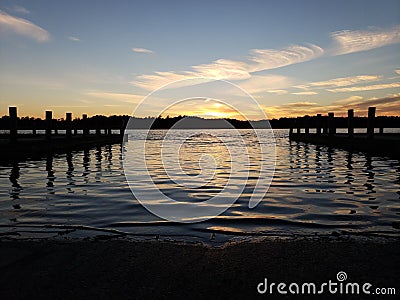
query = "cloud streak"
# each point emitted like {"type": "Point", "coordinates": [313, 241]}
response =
{"type": "Point", "coordinates": [74, 39]}
{"type": "Point", "coordinates": [23, 27]}
{"type": "Point", "coordinates": [345, 81]}
{"type": "Point", "coordinates": [349, 41]}
{"type": "Point", "coordinates": [258, 60]}
{"type": "Point", "coordinates": [366, 87]}
{"type": "Point", "coordinates": [21, 10]}
{"type": "Point", "coordinates": [142, 50]}
{"type": "Point", "coordinates": [305, 93]}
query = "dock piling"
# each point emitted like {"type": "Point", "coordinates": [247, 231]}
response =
{"type": "Point", "coordinates": [350, 122]}
{"type": "Point", "coordinates": [371, 122]}
{"type": "Point", "coordinates": [318, 125]}
{"type": "Point", "coordinates": [68, 120]}
{"type": "Point", "coordinates": [298, 125]}
{"type": "Point", "coordinates": [307, 125]}
{"type": "Point", "coordinates": [12, 111]}
{"type": "Point", "coordinates": [84, 125]}
{"type": "Point", "coordinates": [49, 117]}
{"type": "Point", "coordinates": [331, 124]}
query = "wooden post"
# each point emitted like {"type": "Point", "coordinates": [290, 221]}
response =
{"type": "Point", "coordinates": [49, 117]}
{"type": "Point", "coordinates": [34, 127]}
{"type": "Point", "coordinates": [12, 112]}
{"type": "Point", "coordinates": [371, 122]}
{"type": "Point", "coordinates": [318, 125]}
{"type": "Point", "coordinates": [98, 129]}
{"type": "Point", "coordinates": [55, 125]}
{"type": "Point", "coordinates": [350, 122]}
{"type": "Point", "coordinates": [298, 127]}
{"type": "Point", "coordinates": [381, 130]}
{"type": "Point", "coordinates": [325, 125]}
{"type": "Point", "coordinates": [84, 124]}
{"type": "Point", "coordinates": [122, 129]}
{"type": "Point", "coordinates": [306, 124]}
{"type": "Point", "coordinates": [331, 124]}
{"type": "Point", "coordinates": [68, 120]}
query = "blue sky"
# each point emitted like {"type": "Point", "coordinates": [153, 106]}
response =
{"type": "Point", "coordinates": [293, 57]}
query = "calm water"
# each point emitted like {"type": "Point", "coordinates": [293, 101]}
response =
{"type": "Point", "coordinates": [315, 190]}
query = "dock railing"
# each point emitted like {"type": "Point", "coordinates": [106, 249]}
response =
{"type": "Point", "coordinates": [67, 127]}
{"type": "Point", "coordinates": [328, 125]}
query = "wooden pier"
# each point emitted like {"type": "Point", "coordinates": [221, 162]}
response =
{"type": "Point", "coordinates": [374, 142]}
{"type": "Point", "coordinates": [57, 136]}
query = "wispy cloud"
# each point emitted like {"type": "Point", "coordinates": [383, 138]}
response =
{"type": "Point", "coordinates": [120, 97]}
{"type": "Point", "coordinates": [262, 83]}
{"type": "Point", "coordinates": [20, 9]}
{"type": "Point", "coordinates": [397, 71]}
{"type": "Point", "coordinates": [267, 59]}
{"type": "Point", "coordinates": [302, 87]}
{"type": "Point", "coordinates": [349, 100]}
{"type": "Point", "coordinates": [278, 92]}
{"type": "Point", "coordinates": [349, 41]}
{"type": "Point", "coordinates": [300, 104]}
{"type": "Point", "coordinates": [335, 83]}
{"type": "Point", "coordinates": [366, 87]}
{"type": "Point", "coordinates": [74, 39]}
{"type": "Point", "coordinates": [305, 93]}
{"type": "Point", "coordinates": [258, 60]}
{"type": "Point", "coordinates": [23, 27]}
{"type": "Point", "coordinates": [142, 50]}
{"type": "Point", "coordinates": [345, 81]}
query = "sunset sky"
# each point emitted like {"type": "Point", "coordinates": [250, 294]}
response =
{"type": "Point", "coordinates": [293, 57]}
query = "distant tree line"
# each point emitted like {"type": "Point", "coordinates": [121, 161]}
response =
{"type": "Point", "coordinates": [115, 122]}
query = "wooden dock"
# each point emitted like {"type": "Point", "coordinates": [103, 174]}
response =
{"type": "Point", "coordinates": [56, 137]}
{"type": "Point", "coordinates": [371, 142]}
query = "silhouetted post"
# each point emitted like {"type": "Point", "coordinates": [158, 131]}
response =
{"type": "Point", "coordinates": [350, 122]}
{"type": "Point", "coordinates": [84, 124]}
{"type": "Point", "coordinates": [75, 125]}
{"type": "Point", "coordinates": [331, 123]}
{"type": "Point", "coordinates": [122, 129]}
{"type": "Point", "coordinates": [68, 120]}
{"type": "Point", "coordinates": [325, 125]}
{"type": "Point", "coordinates": [371, 122]}
{"type": "Point", "coordinates": [12, 112]}
{"type": "Point", "coordinates": [55, 125]}
{"type": "Point", "coordinates": [98, 127]}
{"type": "Point", "coordinates": [34, 127]}
{"type": "Point", "coordinates": [318, 125]}
{"type": "Point", "coordinates": [291, 129]}
{"type": "Point", "coordinates": [381, 130]}
{"type": "Point", "coordinates": [298, 127]}
{"type": "Point", "coordinates": [306, 124]}
{"type": "Point", "coordinates": [49, 117]}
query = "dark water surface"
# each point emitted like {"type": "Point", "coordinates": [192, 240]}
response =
{"type": "Point", "coordinates": [315, 190]}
